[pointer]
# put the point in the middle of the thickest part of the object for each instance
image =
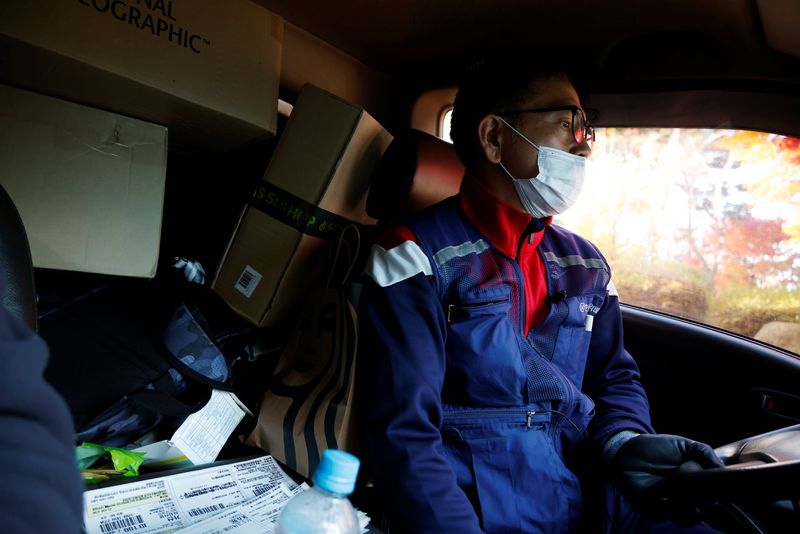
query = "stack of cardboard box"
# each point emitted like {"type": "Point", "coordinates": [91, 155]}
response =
{"type": "Point", "coordinates": [89, 184]}
{"type": "Point", "coordinates": [316, 183]}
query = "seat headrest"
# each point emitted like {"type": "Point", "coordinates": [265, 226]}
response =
{"type": "Point", "coordinates": [17, 292]}
{"type": "Point", "coordinates": [416, 171]}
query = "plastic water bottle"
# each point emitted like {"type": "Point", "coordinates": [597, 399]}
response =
{"type": "Point", "coordinates": [324, 509]}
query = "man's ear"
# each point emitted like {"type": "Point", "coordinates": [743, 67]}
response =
{"type": "Point", "coordinates": [489, 137]}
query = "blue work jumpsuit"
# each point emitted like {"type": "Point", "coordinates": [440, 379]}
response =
{"type": "Point", "coordinates": [474, 424]}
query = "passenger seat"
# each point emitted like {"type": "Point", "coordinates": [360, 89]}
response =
{"type": "Point", "coordinates": [16, 268]}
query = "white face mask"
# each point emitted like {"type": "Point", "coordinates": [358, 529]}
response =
{"type": "Point", "coordinates": [558, 184]}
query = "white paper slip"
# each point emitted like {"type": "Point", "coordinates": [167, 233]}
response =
{"type": "Point", "coordinates": [167, 503]}
{"type": "Point", "coordinates": [256, 516]}
{"type": "Point", "coordinates": [201, 436]}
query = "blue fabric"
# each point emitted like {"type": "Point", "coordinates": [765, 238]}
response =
{"type": "Point", "coordinates": [473, 425]}
{"type": "Point", "coordinates": [187, 341]}
{"type": "Point", "coordinates": [41, 488]}
{"type": "Point", "coordinates": [623, 520]}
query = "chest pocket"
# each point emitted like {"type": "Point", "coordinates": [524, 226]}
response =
{"type": "Point", "coordinates": [483, 357]}
{"type": "Point", "coordinates": [575, 333]}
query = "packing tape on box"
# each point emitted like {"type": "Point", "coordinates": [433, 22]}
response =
{"type": "Point", "coordinates": [296, 212]}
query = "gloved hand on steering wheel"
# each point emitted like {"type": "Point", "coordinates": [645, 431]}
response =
{"type": "Point", "coordinates": [645, 460]}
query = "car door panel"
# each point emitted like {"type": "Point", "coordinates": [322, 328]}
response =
{"type": "Point", "coordinates": [708, 384]}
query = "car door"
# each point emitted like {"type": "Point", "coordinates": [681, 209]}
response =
{"type": "Point", "coordinates": [708, 384]}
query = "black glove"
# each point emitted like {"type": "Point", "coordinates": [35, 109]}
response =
{"type": "Point", "coordinates": [647, 459]}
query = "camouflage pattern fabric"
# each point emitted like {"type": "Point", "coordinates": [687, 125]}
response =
{"type": "Point", "coordinates": [187, 341]}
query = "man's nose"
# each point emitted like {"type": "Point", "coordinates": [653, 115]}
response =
{"type": "Point", "coordinates": [582, 149]}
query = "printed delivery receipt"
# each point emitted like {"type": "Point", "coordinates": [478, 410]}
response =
{"type": "Point", "coordinates": [168, 503]}
{"type": "Point", "coordinates": [256, 516]}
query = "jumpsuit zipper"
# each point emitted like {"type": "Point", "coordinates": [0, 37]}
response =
{"type": "Point", "coordinates": [454, 307]}
{"type": "Point", "coordinates": [521, 286]}
{"type": "Point", "coordinates": [530, 416]}
{"type": "Point", "coordinates": [567, 383]}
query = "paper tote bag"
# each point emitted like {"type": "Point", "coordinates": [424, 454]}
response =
{"type": "Point", "coordinates": [309, 406]}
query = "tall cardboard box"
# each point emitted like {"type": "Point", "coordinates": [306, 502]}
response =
{"type": "Point", "coordinates": [316, 182]}
{"type": "Point", "coordinates": [88, 184]}
{"type": "Point", "coordinates": [207, 69]}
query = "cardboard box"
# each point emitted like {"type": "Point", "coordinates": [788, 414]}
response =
{"type": "Point", "coordinates": [315, 183]}
{"type": "Point", "coordinates": [209, 70]}
{"type": "Point", "coordinates": [88, 184]}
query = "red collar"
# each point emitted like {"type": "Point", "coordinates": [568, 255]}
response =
{"type": "Point", "coordinates": [503, 224]}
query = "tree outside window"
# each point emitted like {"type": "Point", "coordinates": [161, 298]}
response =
{"type": "Point", "coordinates": [701, 224]}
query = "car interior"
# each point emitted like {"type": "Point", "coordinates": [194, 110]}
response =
{"type": "Point", "coordinates": [674, 64]}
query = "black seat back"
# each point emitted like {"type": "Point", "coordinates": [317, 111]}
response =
{"type": "Point", "coordinates": [16, 268]}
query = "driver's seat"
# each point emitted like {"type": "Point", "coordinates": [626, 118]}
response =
{"type": "Point", "coordinates": [416, 170]}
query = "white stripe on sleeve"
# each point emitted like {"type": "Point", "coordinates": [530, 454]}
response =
{"type": "Point", "coordinates": [387, 267]}
{"type": "Point", "coordinates": [612, 289]}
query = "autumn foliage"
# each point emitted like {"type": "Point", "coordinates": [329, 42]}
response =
{"type": "Point", "coordinates": [690, 218]}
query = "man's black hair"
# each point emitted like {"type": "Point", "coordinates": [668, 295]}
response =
{"type": "Point", "coordinates": [496, 83]}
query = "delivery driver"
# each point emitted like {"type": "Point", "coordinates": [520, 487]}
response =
{"type": "Point", "coordinates": [500, 384]}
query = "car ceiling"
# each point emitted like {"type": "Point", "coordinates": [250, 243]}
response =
{"type": "Point", "coordinates": [690, 63]}
{"type": "Point", "coordinates": [621, 40]}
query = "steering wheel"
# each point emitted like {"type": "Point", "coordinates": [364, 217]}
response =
{"type": "Point", "coordinates": [757, 488]}
{"type": "Point", "coordinates": [764, 467]}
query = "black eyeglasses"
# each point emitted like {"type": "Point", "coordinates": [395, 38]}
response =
{"type": "Point", "coordinates": [580, 129]}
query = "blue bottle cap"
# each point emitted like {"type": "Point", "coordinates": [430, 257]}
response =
{"type": "Point", "coordinates": [336, 472]}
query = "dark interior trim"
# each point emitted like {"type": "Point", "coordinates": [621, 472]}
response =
{"type": "Point", "coordinates": [690, 331]}
{"type": "Point", "coordinates": [700, 108]}
{"type": "Point", "coordinates": [706, 383]}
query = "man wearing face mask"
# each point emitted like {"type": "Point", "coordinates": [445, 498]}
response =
{"type": "Point", "coordinates": [502, 398]}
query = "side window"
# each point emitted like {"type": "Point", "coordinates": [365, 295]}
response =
{"type": "Point", "coordinates": [444, 125]}
{"type": "Point", "coordinates": [700, 224]}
